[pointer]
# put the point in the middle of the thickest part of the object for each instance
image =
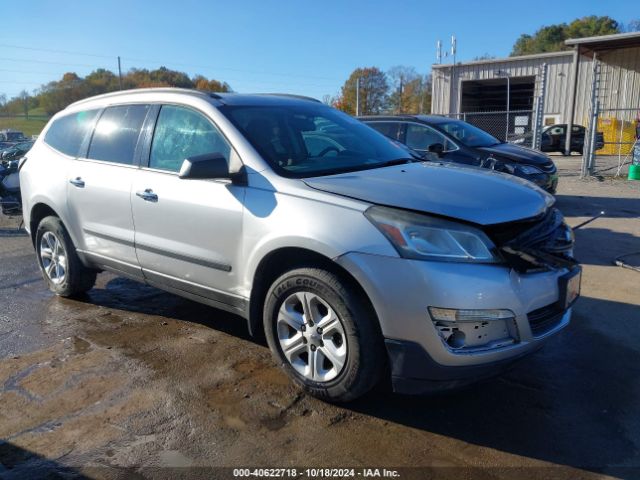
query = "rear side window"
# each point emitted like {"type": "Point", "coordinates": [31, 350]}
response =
{"type": "Point", "coordinates": [388, 129]}
{"type": "Point", "coordinates": [67, 134]}
{"type": "Point", "coordinates": [116, 134]}
{"type": "Point", "coordinates": [182, 133]}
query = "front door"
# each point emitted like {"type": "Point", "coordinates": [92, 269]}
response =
{"type": "Point", "coordinates": [188, 232]}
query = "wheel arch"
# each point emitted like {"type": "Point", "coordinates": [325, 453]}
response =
{"type": "Point", "coordinates": [39, 211]}
{"type": "Point", "coordinates": [284, 259]}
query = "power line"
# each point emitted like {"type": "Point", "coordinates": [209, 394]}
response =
{"type": "Point", "coordinates": [66, 52]}
{"type": "Point", "coordinates": [22, 60]}
{"type": "Point", "coordinates": [164, 62]}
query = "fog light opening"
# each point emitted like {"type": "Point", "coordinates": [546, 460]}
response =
{"type": "Point", "coordinates": [469, 330]}
{"type": "Point", "coordinates": [457, 339]}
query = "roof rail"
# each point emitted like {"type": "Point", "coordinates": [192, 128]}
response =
{"type": "Point", "coordinates": [188, 91]}
{"type": "Point", "coordinates": [291, 95]}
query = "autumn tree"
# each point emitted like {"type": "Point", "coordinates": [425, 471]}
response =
{"type": "Point", "coordinates": [56, 95]}
{"type": "Point", "coordinates": [410, 91]}
{"type": "Point", "coordinates": [372, 92]}
{"type": "Point", "coordinates": [201, 82]}
{"type": "Point", "coordinates": [551, 38]}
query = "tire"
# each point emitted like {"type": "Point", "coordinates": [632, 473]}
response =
{"type": "Point", "coordinates": [354, 341]}
{"type": "Point", "coordinates": [60, 265]}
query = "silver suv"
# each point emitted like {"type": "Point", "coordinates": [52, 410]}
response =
{"type": "Point", "coordinates": [357, 261]}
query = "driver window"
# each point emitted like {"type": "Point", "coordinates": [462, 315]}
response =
{"type": "Point", "coordinates": [182, 133]}
{"type": "Point", "coordinates": [420, 137]}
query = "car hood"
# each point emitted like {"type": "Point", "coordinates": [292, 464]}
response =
{"type": "Point", "coordinates": [470, 194]}
{"type": "Point", "coordinates": [517, 154]}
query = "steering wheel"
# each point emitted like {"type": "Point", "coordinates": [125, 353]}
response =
{"type": "Point", "coordinates": [328, 149]}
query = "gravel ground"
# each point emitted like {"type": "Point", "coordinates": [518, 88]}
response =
{"type": "Point", "coordinates": [133, 382]}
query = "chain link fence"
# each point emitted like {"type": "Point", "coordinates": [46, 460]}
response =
{"type": "Point", "coordinates": [612, 134]}
{"type": "Point", "coordinates": [515, 126]}
{"type": "Point", "coordinates": [617, 132]}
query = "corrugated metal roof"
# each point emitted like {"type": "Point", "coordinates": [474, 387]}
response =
{"type": "Point", "coordinates": [506, 59]}
{"type": "Point", "coordinates": [620, 39]}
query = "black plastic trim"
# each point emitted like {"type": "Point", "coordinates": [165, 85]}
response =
{"type": "Point", "coordinates": [413, 371]}
{"type": "Point", "coordinates": [185, 258]}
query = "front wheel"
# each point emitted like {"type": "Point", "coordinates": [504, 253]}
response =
{"type": "Point", "coordinates": [61, 267]}
{"type": "Point", "coordinates": [323, 334]}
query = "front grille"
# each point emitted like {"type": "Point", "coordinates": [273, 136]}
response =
{"type": "Point", "coordinates": [544, 319]}
{"type": "Point", "coordinates": [541, 242]}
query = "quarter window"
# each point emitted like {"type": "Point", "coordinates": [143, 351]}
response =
{"type": "Point", "coordinates": [67, 134]}
{"type": "Point", "coordinates": [182, 133]}
{"type": "Point", "coordinates": [116, 134]}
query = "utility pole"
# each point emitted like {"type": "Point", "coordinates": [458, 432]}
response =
{"type": "Point", "coordinates": [119, 73]}
{"type": "Point", "coordinates": [400, 94]}
{"type": "Point", "coordinates": [507, 75]}
{"type": "Point", "coordinates": [26, 105]}
{"type": "Point", "coordinates": [357, 96]}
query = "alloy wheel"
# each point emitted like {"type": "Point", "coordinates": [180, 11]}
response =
{"type": "Point", "coordinates": [53, 258]}
{"type": "Point", "coordinates": [312, 336]}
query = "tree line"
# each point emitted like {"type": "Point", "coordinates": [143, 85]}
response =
{"type": "Point", "coordinates": [400, 90]}
{"type": "Point", "coordinates": [551, 38]}
{"type": "Point", "coordinates": [56, 95]}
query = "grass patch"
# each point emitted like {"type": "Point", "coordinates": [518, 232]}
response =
{"type": "Point", "coordinates": [32, 126]}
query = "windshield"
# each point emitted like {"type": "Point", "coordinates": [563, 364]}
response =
{"type": "Point", "coordinates": [468, 135]}
{"type": "Point", "coordinates": [308, 140]}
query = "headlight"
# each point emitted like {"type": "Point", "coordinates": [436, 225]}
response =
{"type": "Point", "coordinates": [424, 237]}
{"type": "Point", "coordinates": [516, 169]}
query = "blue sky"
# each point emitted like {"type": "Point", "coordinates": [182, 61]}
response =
{"type": "Point", "coordinates": [295, 46]}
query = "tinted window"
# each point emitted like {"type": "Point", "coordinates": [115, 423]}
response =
{"type": "Point", "coordinates": [469, 135]}
{"type": "Point", "coordinates": [295, 139]}
{"type": "Point", "coordinates": [181, 133]}
{"type": "Point", "coordinates": [421, 137]}
{"type": "Point", "coordinates": [66, 134]}
{"type": "Point", "coordinates": [388, 129]}
{"type": "Point", "coordinates": [116, 134]}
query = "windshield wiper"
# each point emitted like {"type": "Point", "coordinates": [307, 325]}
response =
{"type": "Point", "coordinates": [397, 161]}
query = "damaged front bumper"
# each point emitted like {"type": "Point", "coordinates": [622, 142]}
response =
{"type": "Point", "coordinates": [449, 324]}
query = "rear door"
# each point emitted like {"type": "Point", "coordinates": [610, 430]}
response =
{"type": "Point", "coordinates": [99, 190]}
{"type": "Point", "coordinates": [188, 232]}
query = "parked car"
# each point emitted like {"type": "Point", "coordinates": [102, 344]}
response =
{"type": "Point", "coordinates": [554, 137]}
{"type": "Point", "coordinates": [16, 151]}
{"type": "Point", "coordinates": [460, 142]}
{"type": "Point", "coordinates": [355, 260]}
{"type": "Point", "coordinates": [9, 135]}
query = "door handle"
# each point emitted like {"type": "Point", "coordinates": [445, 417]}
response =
{"type": "Point", "coordinates": [78, 182]}
{"type": "Point", "coordinates": [148, 195]}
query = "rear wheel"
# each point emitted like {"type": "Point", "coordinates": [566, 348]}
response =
{"type": "Point", "coordinates": [60, 265]}
{"type": "Point", "coordinates": [323, 334]}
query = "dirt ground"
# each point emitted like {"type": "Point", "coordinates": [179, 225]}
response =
{"type": "Point", "coordinates": [131, 382]}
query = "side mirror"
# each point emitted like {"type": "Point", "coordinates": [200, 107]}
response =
{"type": "Point", "coordinates": [436, 148]}
{"type": "Point", "coordinates": [206, 166]}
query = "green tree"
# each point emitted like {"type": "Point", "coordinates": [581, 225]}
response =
{"type": "Point", "coordinates": [373, 92]}
{"type": "Point", "coordinates": [551, 38]}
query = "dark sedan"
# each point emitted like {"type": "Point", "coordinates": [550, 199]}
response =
{"type": "Point", "coordinates": [554, 138]}
{"type": "Point", "coordinates": [16, 151]}
{"type": "Point", "coordinates": [460, 142]}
